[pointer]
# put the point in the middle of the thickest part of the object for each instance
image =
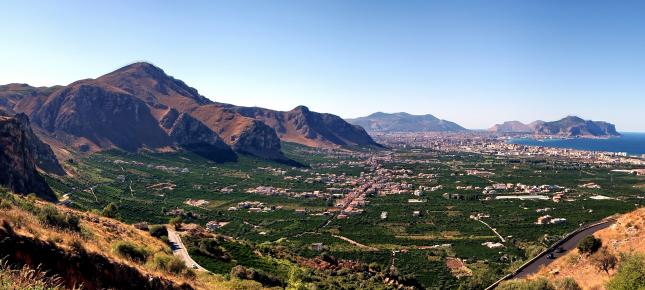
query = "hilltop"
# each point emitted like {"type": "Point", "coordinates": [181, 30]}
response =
{"type": "Point", "coordinates": [404, 122]}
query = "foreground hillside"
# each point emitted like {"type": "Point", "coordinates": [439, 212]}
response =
{"type": "Point", "coordinates": [622, 241]}
{"type": "Point", "coordinates": [53, 247]}
{"type": "Point", "coordinates": [85, 250]}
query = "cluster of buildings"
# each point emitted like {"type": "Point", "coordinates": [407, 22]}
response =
{"type": "Point", "coordinates": [485, 143]}
{"type": "Point", "coordinates": [254, 206]}
{"type": "Point", "coordinates": [170, 169]}
{"type": "Point", "coordinates": [547, 219]}
{"type": "Point", "coordinates": [196, 202]}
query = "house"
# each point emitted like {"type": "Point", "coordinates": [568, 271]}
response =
{"type": "Point", "coordinates": [214, 225]}
{"type": "Point", "coordinates": [317, 247]}
{"type": "Point", "coordinates": [545, 219]}
{"type": "Point", "coordinates": [416, 213]}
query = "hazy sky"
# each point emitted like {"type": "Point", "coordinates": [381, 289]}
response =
{"type": "Point", "coordinates": [473, 62]}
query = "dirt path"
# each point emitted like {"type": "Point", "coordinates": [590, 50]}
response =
{"type": "Point", "coordinates": [355, 243]}
{"type": "Point", "coordinates": [492, 229]}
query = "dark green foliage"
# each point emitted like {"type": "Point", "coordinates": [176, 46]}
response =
{"type": "Point", "coordinates": [630, 274]}
{"type": "Point", "coordinates": [158, 231]}
{"type": "Point", "coordinates": [50, 216]}
{"type": "Point", "coordinates": [243, 273]}
{"type": "Point", "coordinates": [589, 245]}
{"type": "Point", "coordinates": [176, 222]}
{"type": "Point", "coordinates": [110, 210]}
{"type": "Point", "coordinates": [537, 284]}
{"type": "Point", "coordinates": [131, 251]}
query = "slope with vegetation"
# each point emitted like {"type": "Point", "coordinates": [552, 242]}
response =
{"type": "Point", "coordinates": [612, 259]}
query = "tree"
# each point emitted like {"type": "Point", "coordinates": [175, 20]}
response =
{"type": "Point", "coordinates": [175, 222]}
{"type": "Point", "coordinates": [110, 210]}
{"type": "Point", "coordinates": [589, 245]}
{"type": "Point", "coordinates": [604, 260]}
{"type": "Point", "coordinates": [630, 274]}
{"type": "Point", "coordinates": [158, 231]}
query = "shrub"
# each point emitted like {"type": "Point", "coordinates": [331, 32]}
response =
{"type": "Point", "coordinates": [589, 245]}
{"type": "Point", "coordinates": [50, 215]}
{"type": "Point", "coordinates": [176, 265]}
{"type": "Point", "coordinates": [604, 260]}
{"type": "Point", "coordinates": [5, 204]}
{"type": "Point", "coordinates": [110, 210]}
{"type": "Point", "coordinates": [77, 246]}
{"type": "Point", "coordinates": [243, 273]}
{"type": "Point", "coordinates": [131, 251]}
{"type": "Point", "coordinates": [630, 274]}
{"type": "Point", "coordinates": [175, 222]}
{"type": "Point", "coordinates": [158, 231]}
{"type": "Point", "coordinates": [567, 283]}
{"type": "Point", "coordinates": [169, 263]}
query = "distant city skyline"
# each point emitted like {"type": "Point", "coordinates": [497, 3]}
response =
{"type": "Point", "coordinates": [477, 63]}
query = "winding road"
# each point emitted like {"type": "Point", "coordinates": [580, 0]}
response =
{"type": "Point", "coordinates": [567, 246]}
{"type": "Point", "coordinates": [179, 250]}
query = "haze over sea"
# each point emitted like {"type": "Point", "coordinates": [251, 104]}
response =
{"type": "Point", "coordinates": [631, 143]}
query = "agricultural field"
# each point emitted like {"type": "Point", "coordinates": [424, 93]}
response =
{"type": "Point", "coordinates": [408, 212]}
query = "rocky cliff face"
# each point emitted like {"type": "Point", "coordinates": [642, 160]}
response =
{"type": "Point", "coordinates": [138, 105]}
{"type": "Point", "coordinates": [194, 136]}
{"type": "Point", "coordinates": [18, 154]}
{"type": "Point", "coordinates": [303, 126]}
{"type": "Point", "coordinates": [104, 116]}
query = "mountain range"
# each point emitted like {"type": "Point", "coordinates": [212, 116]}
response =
{"type": "Point", "coordinates": [570, 126]}
{"type": "Point", "coordinates": [404, 122]}
{"type": "Point", "coordinates": [139, 107]}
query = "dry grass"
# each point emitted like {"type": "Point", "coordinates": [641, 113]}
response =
{"type": "Point", "coordinates": [27, 278]}
{"type": "Point", "coordinates": [99, 235]}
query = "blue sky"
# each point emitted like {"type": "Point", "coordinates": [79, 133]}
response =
{"type": "Point", "coordinates": [473, 62]}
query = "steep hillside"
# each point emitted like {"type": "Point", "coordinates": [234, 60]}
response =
{"type": "Point", "coordinates": [19, 150]}
{"type": "Point", "coordinates": [625, 237]}
{"type": "Point", "coordinates": [83, 249]}
{"type": "Point", "coordinates": [404, 122]}
{"type": "Point", "coordinates": [135, 106]}
{"type": "Point", "coordinates": [100, 116]}
{"type": "Point", "coordinates": [303, 126]}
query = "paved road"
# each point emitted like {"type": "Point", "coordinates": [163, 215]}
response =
{"type": "Point", "coordinates": [568, 245]}
{"type": "Point", "coordinates": [179, 250]}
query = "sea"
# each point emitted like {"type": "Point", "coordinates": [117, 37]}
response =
{"type": "Point", "coordinates": [630, 143]}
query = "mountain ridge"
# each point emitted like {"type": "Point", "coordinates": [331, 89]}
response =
{"type": "Point", "coordinates": [99, 114]}
{"type": "Point", "coordinates": [405, 122]}
{"type": "Point", "coordinates": [569, 126]}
